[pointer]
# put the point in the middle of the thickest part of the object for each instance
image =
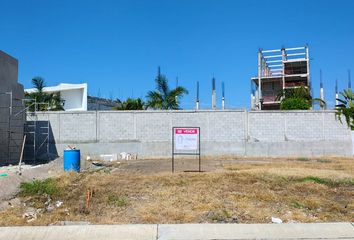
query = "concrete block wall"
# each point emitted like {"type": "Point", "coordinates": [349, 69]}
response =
{"type": "Point", "coordinates": [78, 127]}
{"type": "Point", "coordinates": [297, 133]}
{"type": "Point", "coordinates": [223, 132]}
{"type": "Point", "coordinates": [11, 123]}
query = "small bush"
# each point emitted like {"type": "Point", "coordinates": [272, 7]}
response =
{"type": "Point", "coordinates": [295, 104]}
{"type": "Point", "coordinates": [39, 187]}
{"type": "Point", "coordinates": [118, 201]}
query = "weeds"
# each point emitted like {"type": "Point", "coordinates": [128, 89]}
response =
{"type": "Point", "coordinates": [296, 204]}
{"type": "Point", "coordinates": [328, 182]}
{"type": "Point", "coordinates": [220, 216]}
{"type": "Point", "coordinates": [117, 201]}
{"type": "Point", "coordinates": [39, 187]}
{"type": "Point", "coordinates": [323, 161]}
{"type": "Point", "coordinates": [182, 183]}
{"type": "Point", "coordinates": [303, 159]}
{"type": "Point", "coordinates": [315, 180]}
{"type": "Point", "coordinates": [299, 191]}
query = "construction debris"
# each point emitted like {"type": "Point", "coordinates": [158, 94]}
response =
{"type": "Point", "coordinates": [115, 157]}
{"type": "Point", "coordinates": [128, 156]}
{"type": "Point", "coordinates": [109, 157]}
{"type": "Point", "coordinates": [71, 147]}
{"type": "Point", "coordinates": [276, 220]}
{"type": "Point", "coordinates": [30, 214]}
{"type": "Point", "coordinates": [58, 203]}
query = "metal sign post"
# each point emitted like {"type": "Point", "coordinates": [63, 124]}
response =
{"type": "Point", "coordinates": [185, 141]}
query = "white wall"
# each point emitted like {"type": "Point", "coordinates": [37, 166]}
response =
{"type": "Point", "coordinates": [75, 95]}
{"type": "Point", "coordinates": [73, 99]}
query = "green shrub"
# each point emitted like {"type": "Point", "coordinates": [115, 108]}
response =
{"type": "Point", "coordinates": [295, 104]}
{"type": "Point", "coordinates": [39, 187]}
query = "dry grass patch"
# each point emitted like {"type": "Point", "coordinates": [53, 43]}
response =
{"type": "Point", "coordinates": [314, 190]}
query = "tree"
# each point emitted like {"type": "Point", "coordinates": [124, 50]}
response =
{"type": "Point", "coordinates": [297, 99]}
{"type": "Point", "coordinates": [346, 107]}
{"type": "Point", "coordinates": [163, 97]}
{"type": "Point", "coordinates": [43, 101]}
{"type": "Point", "coordinates": [130, 104]}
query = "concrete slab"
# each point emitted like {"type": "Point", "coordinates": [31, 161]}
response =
{"type": "Point", "coordinates": [256, 231]}
{"type": "Point", "coordinates": [86, 232]}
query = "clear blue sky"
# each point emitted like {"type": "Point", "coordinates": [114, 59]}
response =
{"type": "Point", "coordinates": [116, 46]}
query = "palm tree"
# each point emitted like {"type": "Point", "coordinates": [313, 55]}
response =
{"type": "Point", "coordinates": [43, 101]}
{"type": "Point", "coordinates": [346, 107]}
{"type": "Point", "coordinates": [163, 97]}
{"type": "Point", "coordinates": [130, 104]}
{"type": "Point", "coordinates": [297, 98]}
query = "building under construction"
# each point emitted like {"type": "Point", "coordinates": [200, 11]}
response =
{"type": "Point", "coordinates": [278, 70]}
{"type": "Point", "coordinates": [12, 114]}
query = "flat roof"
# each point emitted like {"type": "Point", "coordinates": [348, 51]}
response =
{"type": "Point", "coordinates": [60, 87]}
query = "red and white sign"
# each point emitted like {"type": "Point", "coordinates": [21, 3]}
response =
{"type": "Point", "coordinates": [186, 139]}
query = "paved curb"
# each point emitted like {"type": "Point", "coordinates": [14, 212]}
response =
{"type": "Point", "coordinates": [183, 231]}
{"type": "Point", "coordinates": [78, 232]}
{"type": "Point", "coordinates": [257, 231]}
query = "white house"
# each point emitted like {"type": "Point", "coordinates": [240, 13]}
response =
{"type": "Point", "coordinates": [74, 95]}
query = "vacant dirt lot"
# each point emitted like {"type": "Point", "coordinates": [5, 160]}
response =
{"type": "Point", "coordinates": [239, 190]}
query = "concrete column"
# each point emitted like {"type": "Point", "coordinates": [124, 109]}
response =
{"type": "Point", "coordinates": [321, 91]}
{"type": "Point", "coordinates": [197, 101]}
{"type": "Point", "coordinates": [252, 102]}
{"type": "Point", "coordinates": [259, 80]}
{"type": "Point", "coordinates": [283, 75]}
{"type": "Point", "coordinates": [213, 95]}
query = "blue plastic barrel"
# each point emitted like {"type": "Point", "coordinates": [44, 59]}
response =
{"type": "Point", "coordinates": [72, 160]}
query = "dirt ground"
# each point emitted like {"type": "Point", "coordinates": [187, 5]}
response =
{"type": "Point", "coordinates": [239, 190]}
{"type": "Point", "coordinates": [11, 179]}
{"type": "Point", "coordinates": [188, 164]}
